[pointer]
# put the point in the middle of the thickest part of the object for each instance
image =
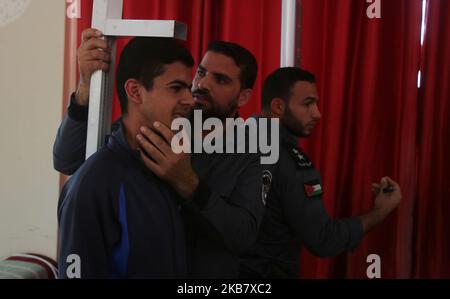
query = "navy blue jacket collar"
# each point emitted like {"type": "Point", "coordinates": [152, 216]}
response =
{"type": "Point", "coordinates": [119, 144]}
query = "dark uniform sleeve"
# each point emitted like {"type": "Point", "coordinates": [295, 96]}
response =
{"type": "Point", "coordinates": [310, 222]}
{"type": "Point", "coordinates": [69, 149]}
{"type": "Point", "coordinates": [235, 216]}
{"type": "Point", "coordinates": [88, 229]}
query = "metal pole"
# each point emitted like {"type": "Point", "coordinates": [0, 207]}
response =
{"type": "Point", "coordinates": [290, 33]}
{"type": "Point", "coordinates": [101, 87]}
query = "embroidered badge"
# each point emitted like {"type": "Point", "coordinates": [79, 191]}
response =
{"type": "Point", "coordinates": [301, 159]}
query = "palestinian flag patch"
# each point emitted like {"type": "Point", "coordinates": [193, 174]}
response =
{"type": "Point", "coordinates": [313, 188]}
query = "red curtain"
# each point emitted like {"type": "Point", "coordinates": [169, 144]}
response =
{"type": "Point", "coordinates": [374, 122]}
{"type": "Point", "coordinates": [367, 79]}
{"type": "Point", "coordinates": [432, 242]}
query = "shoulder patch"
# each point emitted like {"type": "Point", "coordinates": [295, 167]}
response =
{"type": "Point", "coordinates": [267, 184]}
{"type": "Point", "coordinates": [313, 188]}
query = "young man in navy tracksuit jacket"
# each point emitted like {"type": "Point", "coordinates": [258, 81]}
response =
{"type": "Point", "coordinates": [117, 219]}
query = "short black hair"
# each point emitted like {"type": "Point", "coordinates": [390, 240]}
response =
{"type": "Point", "coordinates": [143, 59]}
{"type": "Point", "coordinates": [279, 84]}
{"type": "Point", "coordinates": [243, 58]}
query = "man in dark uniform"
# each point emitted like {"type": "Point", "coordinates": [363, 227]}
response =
{"type": "Point", "coordinates": [295, 215]}
{"type": "Point", "coordinates": [222, 207]}
{"type": "Point", "coordinates": [228, 186]}
{"type": "Point", "coordinates": [117, 219]}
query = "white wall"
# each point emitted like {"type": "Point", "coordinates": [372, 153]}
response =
{"type": "Point", "coordinates": [31, 77]}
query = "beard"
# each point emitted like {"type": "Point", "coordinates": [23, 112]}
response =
{"type": "Point", "coordinates": [294, 126]}
{"type": "Point", "coordinates": [213, 110]}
